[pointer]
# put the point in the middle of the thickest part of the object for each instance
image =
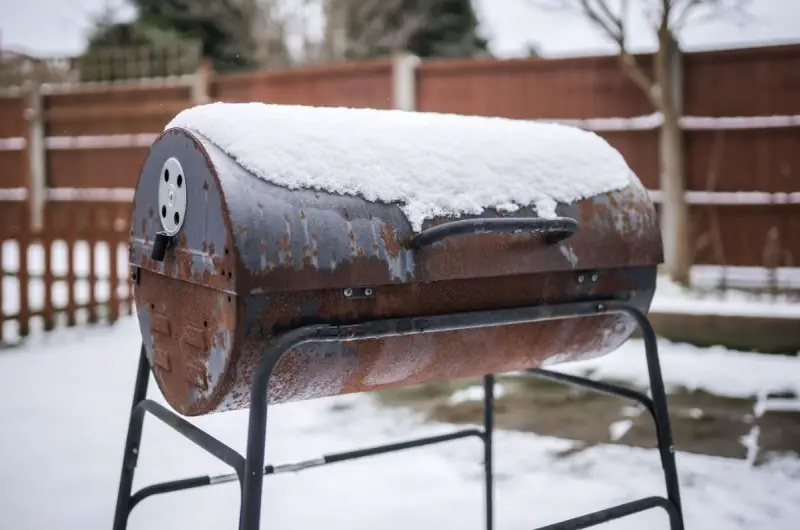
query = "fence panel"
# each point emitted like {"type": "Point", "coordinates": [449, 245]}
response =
{"type": "Point", "coordinates": [761, 81]}
{"type": "Point", "coordinates": [14, 236]}
{"type": "Point", "coordinates": [534, 88]}
{"type": "Point", "coordinates": [747, 235]}
{"type": "Point", "coordinates": [348, 85]}
{"type": "Point", "coordinates": [13, 133]}
{"type": "Point", "coordinates": [759, 159]}
{"type": "Point", "coordinates": [99, 140]}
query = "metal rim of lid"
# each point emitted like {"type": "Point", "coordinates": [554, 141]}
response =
{"type": "Point", "coordinates": [172, 196]}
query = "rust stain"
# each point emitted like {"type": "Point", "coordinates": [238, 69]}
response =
{"type": "Point", "coordinates": [320, 370]}
{"type": "Point", "coordinates": [195, 310]}
{"type": "Point", "coordinates": [389, 237]}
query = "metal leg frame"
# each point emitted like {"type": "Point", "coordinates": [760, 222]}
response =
{"type": "Point", "coordinates": [250, 470]}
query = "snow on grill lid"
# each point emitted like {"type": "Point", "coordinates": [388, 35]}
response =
{"type": "Point", "coordinates": [430, 164]}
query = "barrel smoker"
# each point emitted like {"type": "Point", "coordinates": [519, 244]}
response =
{"type": "Point", "coordinates": [251, 291]}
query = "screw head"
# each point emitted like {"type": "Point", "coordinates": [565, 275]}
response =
{"type": "Point", "coordinates": [368, 291]}
{"type": "Point", "coordinates": [594, 277]}
{"type": "Point", "coordinates": [348, 292]}
{"type": "Point", "coordinates": [580, 278]}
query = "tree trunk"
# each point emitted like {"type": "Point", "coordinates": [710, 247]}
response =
{"type": "Point", "coordinates": [675, 224]}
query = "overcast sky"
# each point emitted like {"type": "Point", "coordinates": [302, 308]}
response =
{"type": "Point", "coordinates": [58, 27]}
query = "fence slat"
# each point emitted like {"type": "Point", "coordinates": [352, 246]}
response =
{"type": "Point", "coordinates": [3, 316]}
{"type": "Point", "coordinates": [91, 240]}
{"type": "Point", "coordinates": [113, 279]}
{"type": "Point", "coordinates": [47, 247]}
{"type": "Point", "coordinates": [24, 278]}
{"type": "Point", "coordinates": [69, 232]}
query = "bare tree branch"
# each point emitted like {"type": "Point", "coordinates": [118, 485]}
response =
{"type": "Point", "coordinates": [609, 24]}
{"type": "Point", "coordinates": [666, 10]}
{"type": "Point", "coordinates": [700, 11]}
{"type": "Point", "coordinates": [555, 6]}
{"type": "Point", "coordinates": [371, 29]}
{"type": "Point", "coordinates": [617, 21]}
{"type": "Point", "coordinates": [684, 12]}
{"type": "Point", "coordinates": [600, 14]}
{"type": "Point", "coordinates": [667, 16]}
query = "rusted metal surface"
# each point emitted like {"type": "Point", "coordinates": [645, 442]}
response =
{"type": "Point", "coordinates": [254, 259]}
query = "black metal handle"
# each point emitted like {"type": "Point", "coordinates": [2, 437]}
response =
{"type": "Point", "coordinates": [555, 229]}
{"type": "Point", "coordinates": [162, 243]}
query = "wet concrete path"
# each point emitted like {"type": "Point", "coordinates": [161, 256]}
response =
{"type": "Point", "coordinates": [701, 422]}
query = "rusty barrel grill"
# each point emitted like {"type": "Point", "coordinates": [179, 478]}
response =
{"type": "Point", "coordinates": [252, 290]}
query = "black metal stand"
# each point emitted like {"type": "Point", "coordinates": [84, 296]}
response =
{"type": "Point", "coordinates": [250, 470]}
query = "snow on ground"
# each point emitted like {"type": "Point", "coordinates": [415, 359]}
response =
{"type": "Point", "coordinates": [703, 299]}
{"type": "Point", "coordinates": [64, 401]}
{"type": "Point", "coordinates": [715, 370]}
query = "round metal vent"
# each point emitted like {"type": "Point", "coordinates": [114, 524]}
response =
{"type": "Point", "coordinates": [172, 196]}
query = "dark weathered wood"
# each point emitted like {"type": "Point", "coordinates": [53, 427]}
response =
{"type": "Point", "coordinates": [47, 252]}
{"type": "Point", "coordinates": [23, 277]}
{"type": "Point", "coordinates": [69, 226]}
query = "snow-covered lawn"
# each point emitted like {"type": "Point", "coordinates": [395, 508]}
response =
{"type": "Point", "coordinates": [64, 400]}
{"type": "Point", "coordinates": [705, 299]}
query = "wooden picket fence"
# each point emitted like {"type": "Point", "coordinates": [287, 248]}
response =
{"type": "Point", "coordinates": [66, 179]}
{"type": "Point", "coordinates": [76, 271]}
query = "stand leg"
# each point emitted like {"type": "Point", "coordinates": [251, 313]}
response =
{"type": "Point", "coordinates": [249, 518]}
{"type": "Point", "coordinates": [134, 438]}
{"type": "Point", "coordinates": [488, 433]}
{"type": "Point", "coordinates": [656, 405]}
{"type": "Point", "coordinates": [666, 446]}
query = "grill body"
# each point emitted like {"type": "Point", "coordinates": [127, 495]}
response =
{"type": "Point", "coordinates": [247, 260]}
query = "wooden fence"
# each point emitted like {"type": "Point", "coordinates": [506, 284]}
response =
{"type": "Point", "coordinates": [70, 156]}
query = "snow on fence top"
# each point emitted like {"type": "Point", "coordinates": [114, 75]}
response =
{"type": "Point", "coordinates": [432, 164]}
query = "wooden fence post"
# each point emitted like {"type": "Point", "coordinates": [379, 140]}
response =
{"type": "Point", "coordinates": [37, 169]}
{"type": "Point", "coordinates": [32, 222]}
{"type": "Point", "coordinates": [404, 81]}
{"type": "Point", "coordinates": [201, 83]}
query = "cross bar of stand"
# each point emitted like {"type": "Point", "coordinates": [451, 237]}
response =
{"type": "Point", "coordinates": [618, 512]}
{"type": "Point", "coordinates": [201, 438]}
{"type": "Point", "coordinates": [333, 458]}
{"type": "Point", "coordinates": [251, 470]}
